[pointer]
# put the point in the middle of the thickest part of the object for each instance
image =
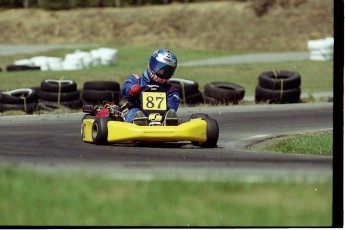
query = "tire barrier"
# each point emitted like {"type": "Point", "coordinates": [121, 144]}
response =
{"type": "Point", "coordinates": [278, 87]}
{"type": "Point", "coordinates": [210, 100]}
{"type": "Point", "coordinates": [223, 93]}
{"type": "Point", "coordinates": [102, 85]}
{"type": "Point", "coordinates": [57, 93]}
{"type": "Point", "coordinates": [95, 92]}
{"type": "Point", "coordinates": [58, 85]}
{"type": "Point", "coordinates": [189, 91]}
{"type": "Point", "coordinates": [273, 87]}
{"type": "Point", "coordinates": [279, 80]}
{"type": "Point", "coordinates": [51, 106]}
{"type": "Point", "coordinates": [24, 99]}
{"type": "Point", "coordinates": [11, 68]}
{"type": "Point", "coordinates": [193, 99]}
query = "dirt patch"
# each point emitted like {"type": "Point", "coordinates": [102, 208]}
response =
{"type": "Point", "coordinates": [226, 25]}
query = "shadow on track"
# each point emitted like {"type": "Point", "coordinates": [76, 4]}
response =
{"type": "Point", "coordinates": [171, 145]}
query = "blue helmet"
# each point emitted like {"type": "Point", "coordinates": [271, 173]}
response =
{"type": "Point", "coordinates": [162, 65]}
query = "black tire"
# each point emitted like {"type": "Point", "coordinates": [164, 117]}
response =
{"type": "Point", "coordinates": [41, 106]}
{"type": "Point", "coordinates": [36, 88]}
{"type": "Point", "coordinates": [198, 115]}
{"type": "Point", "coordinates": [277, 96]}
{"type": "Point", "coordinates": [56, 85]}
{"type": "Point", "coordinates": [28, 108]}
{"type": "Point", "coordinates": [224, 92]}
{"type": "Point", "coordinates": [185, 87]}
{"type": "Point", "coordinates": [51, 105]}
{"type": "Point", "coordinates": [193, 99]}
{"type": "Point", "coordinates": [18, 96]}
{"type": "Point", "coordinates": [64, 97]}
{"type": "Point", "coordinates": [72, 104]}
{"type": "Point", "coordinates": [10, 68]}
{"type": "Point", "coordinates": [210, 100]}
{"type": "Point", "coordinates": [212, 134]}
{"type": "Point", "coordinates": [102, 85]}
{"type": "Point", "coordinates": [116, 97]}
{"type": "Point", "coordinates": [100, 130]}
{"type": "Point", "coordinates": [96, 96]}
{"type": "Point", "coordinates": [279, 80]}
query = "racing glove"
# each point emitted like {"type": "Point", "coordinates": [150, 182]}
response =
{"type": "Point", "coordinates": [134, 91]}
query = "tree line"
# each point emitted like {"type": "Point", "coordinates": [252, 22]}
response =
{"type": "Point", "coordinates": [260, 7]}
{"type": "Point", "coordinates": [69, 4]}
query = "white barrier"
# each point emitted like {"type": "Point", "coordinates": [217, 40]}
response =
{"type": "Point", "coordinates": [104, 56]}
{"type": "Point", "coordinates": [41, 61]}
{"type": "Point", "coordinates": [73, 61]}
{"type": "Point", "coordinates": [27, 62]}
{"type": "Point", "coordinates": [55, 63]}
{"type": "Point", "coordinates": [321, 49]}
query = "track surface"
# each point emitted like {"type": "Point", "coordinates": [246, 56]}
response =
{"type": "Point", "coordinates": [54, 142]}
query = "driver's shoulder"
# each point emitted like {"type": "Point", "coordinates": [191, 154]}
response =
{"type": "Point", "coordinates": [171, 88]}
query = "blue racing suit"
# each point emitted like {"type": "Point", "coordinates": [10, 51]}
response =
{"type": "Point", "coordinates": [172, 93]}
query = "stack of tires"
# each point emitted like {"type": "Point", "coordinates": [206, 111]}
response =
{"type": "Point", "coordinates": [216, 93]}
{"type": "Point", "coordinates": [278, 87]}
{"type": "Point", "coordinates": [189, 91]}
{"type": "Point", "coordinates": [95, 92]}
{"type": "Point", "coordinates": [59, 93]}
{"type": "Point", "coordinates": [19, 99]}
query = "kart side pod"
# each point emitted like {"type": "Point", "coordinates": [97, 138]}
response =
{"type": "Point", "coordinates": [203, 132]}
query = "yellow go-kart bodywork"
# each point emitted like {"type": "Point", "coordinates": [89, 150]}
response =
{"type": "Point", "coordinates": [103, 131]}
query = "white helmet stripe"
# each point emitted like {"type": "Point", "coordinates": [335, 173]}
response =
{"type": "Point", "coordinates": [166, 58]}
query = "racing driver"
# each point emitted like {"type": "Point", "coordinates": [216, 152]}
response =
{"type": "Point", "coordinates": [160, 69]}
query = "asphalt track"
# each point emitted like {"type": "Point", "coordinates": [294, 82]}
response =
{"type": "Point", "coordinates": [53, 142]}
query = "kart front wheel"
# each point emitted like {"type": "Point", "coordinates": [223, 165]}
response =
{"type": "Point", "coordinates": [198, 115]}
{"type": "Point", "coordinates": [100, 130]}
{"type": "Point", "coordinates": [212, 132]}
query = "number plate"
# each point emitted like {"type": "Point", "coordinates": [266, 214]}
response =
{"type": "Point", "coordinates": [154, 101]}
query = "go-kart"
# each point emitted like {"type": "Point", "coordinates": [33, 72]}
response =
{"type": "Point", "coordinates": [105, 124]}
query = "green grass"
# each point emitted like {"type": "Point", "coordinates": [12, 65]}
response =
{"type": "Point", "coordinates": [316, 76]}
{"type": "Point", "coordinates": [36, 198]}
{"type": "Point", "coordinates": [310, 143]}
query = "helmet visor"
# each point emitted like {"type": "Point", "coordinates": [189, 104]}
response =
{"type": "Point", "coordinates": [166, 72]}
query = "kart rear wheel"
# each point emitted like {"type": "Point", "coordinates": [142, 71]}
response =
{"type": "Point", "coordinates": [212, 132]}
{"type": "Point", "coordinates": [100, 130]}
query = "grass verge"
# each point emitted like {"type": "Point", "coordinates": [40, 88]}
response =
{"type": "Point", "coordinates": [75, 199]}
{"type": "Point", "coordinates": [134, 60]}
{"type": "Point", "coordinates": [320, 143]}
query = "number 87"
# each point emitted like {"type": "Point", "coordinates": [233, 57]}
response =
{"type": "Point", "coordinates": [150, 102]}
{"type": "Point", "coordinates": [154, 102]}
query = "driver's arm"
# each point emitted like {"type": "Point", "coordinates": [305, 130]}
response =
{"type": "Point", "coordinates": [130, 87]}
{"type": "Point", "coordinates": [173, 98]}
